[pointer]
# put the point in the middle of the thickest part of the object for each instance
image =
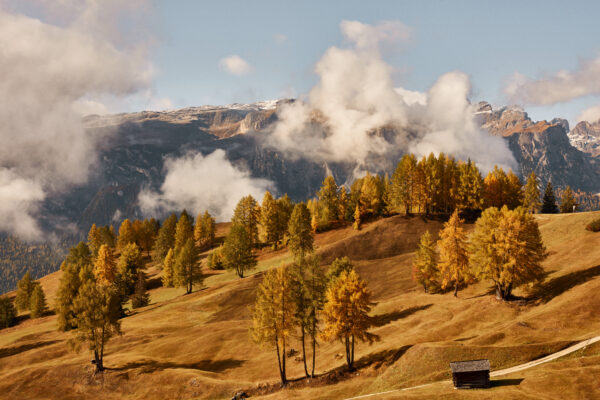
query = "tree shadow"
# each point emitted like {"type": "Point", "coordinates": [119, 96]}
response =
{"type": "Point", "coordinates": [149, 366]}
{"type": "Point", "coordinates": [153, 283]}
{"type": "Point", "coordinates": [384, 319]}
{"type": "Point", "coordinates": [506, 382]}
{"type": "Point", "coordinates": [11, 351]}
{"type": "Point", "coordinates": [557, 286]}
{"type": "Point", "coordinates": [381, 358]}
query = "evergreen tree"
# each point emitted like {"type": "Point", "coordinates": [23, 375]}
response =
{"type": "Point", "coordinates": [273, 316]}
{"type": "Point", "coordinates": [338, 266]}
{"type": "Point", "coordinates": [506, 247]}
{"type": "Point", "coordinates": [204, 231]}
{"type": "Point", "coordinates": [246, 214]}
{"type": "Point", "coordinates": [94, 240]}
{"type": "Point", "coordinates": [37, 302]}
{"type": "Point", "coordinates": [186, 269]}
{"type": "Point", "coordinates": [568, 204]}
{"type": "Point", "coordinates": [531, 196]}
{"type": "Point", "coordinates": [105, 270]}
{"type": "Point", "coordinates": [165, 239]}
{"type": "Point", "coordinates": [454, 260]}
{"type": "Point", "coordinates": [126, 235]}
{"type": "Point", "coordinates": [8, 313]}
{"type": "Point", "coordinates": [346, 313]}
{"type": "Point", "coordinates": [549, 203]}
{"type": "Point", "coordinates": [237, 251]}
{"type": "Point", "coordinates": [184, 230]}
{"type": "Point", "coordinates": [24, 290]}
{"type": "Point", "coordinates": [140, 298]}
{"type": "Point", "coordinates": [97, 310]}
{"type": "Point", "coordinates": [425, 270]}
{"type": "Point", "coordinates": [269, 220]}
{"type": "Point", "coordinates": [300, 231]}
{"type": "Point", "coordinates": [168, 268]}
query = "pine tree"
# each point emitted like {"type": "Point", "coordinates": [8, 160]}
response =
{"type": "Point", "coordinates": [568, 204]}
{"type": "Point", "coordinates": [126, 235]}
{"type": "Point", "coordinates": [425, 270]}
{"type": "Point", "coordinates": [454, 260]}
{"type": "Point", "coordinates": [506, 247]}
{"type": "Point", "coordinates": [8, 314]}
{"type": "Point", "coordinates": [338, 266]}
{"type": "Point", "coordinates": [105, 269]}
{"type": "Point", "coordinates": [300, 231]}
{"type": "Point", "coordinates": [269, 220]}
{"type": "Point", "coordinates": [549, 203]}
{"type": "Point", "coordinates": [94, 240]}
{"type": "Point", "coordinates": [346, 313]}
{"type": "Point", "coordinates": [140, 297]}
{"type": "Point", "coordinates": [204, 231]}
{"type": "Point", "coordinates": [531, 196]}
{"type": "Point", "coordinates": [246, 214]}
{"type": "Point", "coordinates": [130, 262]}
{"type": "Point", "coordinates": [237, 251]}
{"type": "Point", "coordinates": [184, 230]}
{"type": "Point", "coordinates": [97, 310]}
{"type": "Point", "coordinates": [37, 302]}
{"type": "Point", "coordinates": [273, 316]}
{"type": "Point", "coordinates": [165, 239]}
{"type": "Point", "coordinates": [168, 267]}
{"type": "Point", "coordinates": [24, 290]}
{"type": "Point", "coordinates": [186, 271]}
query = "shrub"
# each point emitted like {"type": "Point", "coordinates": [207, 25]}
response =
{"type": "Point", "coordinates": [594, 226]}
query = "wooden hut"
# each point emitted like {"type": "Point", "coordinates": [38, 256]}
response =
{"type": "Point", "coordinates": [471, 374]}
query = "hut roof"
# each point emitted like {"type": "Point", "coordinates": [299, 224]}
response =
{"type": "Point", "coordinates": [470, 366]}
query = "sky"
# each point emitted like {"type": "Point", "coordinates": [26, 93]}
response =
{"type": "Point", "coordinates": [280, 42]}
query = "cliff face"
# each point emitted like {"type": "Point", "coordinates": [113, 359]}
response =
{"type": "Point", "coordinates": [586, 137]}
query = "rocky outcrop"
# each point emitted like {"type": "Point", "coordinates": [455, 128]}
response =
{"type": "Point", "coordinates": [586, 137]}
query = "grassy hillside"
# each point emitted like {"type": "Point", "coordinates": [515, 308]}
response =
{"type": "Point", "coordinates": [197, 345]}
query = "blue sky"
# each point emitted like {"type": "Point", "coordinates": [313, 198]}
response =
{"type": "Point", "coordinates": [282, 40]}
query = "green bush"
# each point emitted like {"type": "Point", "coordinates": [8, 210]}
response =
{"type": "Point", "coordinates": [594, 226]}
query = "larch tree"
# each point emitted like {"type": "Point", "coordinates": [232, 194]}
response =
{"type": "Point", "coordinates": [370, 200]}
{"type": "Point", "coordinates": [247, 214]}
{"type": "Point", "coordinates": [130, 262]}
{"type": "Point", "coordinates": [184, 230]}
{"type": "Point", "coordinates": [147, 235]}
{"type": "Point", "coordinates": [273, 314]}
{"type": "Point", "coordinates": [469, 192]}
{"type": "Point", "coordinates": [97, 310]}
{"type": "Point", "coordinates": [549, 203]}
{"type": "Point", "coordinates": [8, 314]}
{"type": "Point", "coordinates": [237, 251]}
{"type": "Point", "coordinates": [315, 284]}
{"type": "Point", "coordinates": [346, 313]}
{"type": "Point", "coordinates": [167, 270]}
{"type": "Point", "coordinates": [328, 201]}
{"type": "Point", "coordinates": [24, 290]}
{"type": "Point", "coordinates": [357, 222]}
{"type": "Point", "coordinates": [126, 235]}
{"type": "Point", "coordinates": [140, 297]}
{"type": "Point", "coordinates": [205, 229]}
{"type": "Point", "coordinates": [285, 207]}
{"type": "Point", "coordinates": [506, 247]}
{"type": "Point", "coordinates": [300, 231]}
{"type": "Point", "coordinates": [165, 239]}
{"type": "Point", "coordinates": [37, 302]}
{"type": "Point", "coordinates": [453, 266]}
{"type": "Point", "coordinates": [531, 194]}
{"type": "Point", "coordinates": [568, 204]}
{"type": "Point", "coordinates": [425, 270]}
{"type": "Point", "coordinates": [402, 185]}
{"type": "Point", "coordinates": [76, 269]}
{"type": "Point", "coordinates": [214, 260]}
{"type": "Point", "coordinates": [300, 299]}
{"type": "Point", "coordinates": [269, 220]}
{"type": "Point", "coordinates": [336, 268]}
{"type": "Point", "coordinates": [94, 240]}
{"type": "Point", "coordinates": [186, 269]}
{"type": "Point", "coordinates": [105, 266]}
{"type": "Point", "coordinates": [514, 191]}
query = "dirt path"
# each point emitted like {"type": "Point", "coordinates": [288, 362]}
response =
{"type": "Point", "coordinates": [500, 372]}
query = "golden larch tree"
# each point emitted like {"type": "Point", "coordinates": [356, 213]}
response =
{"type": "Point", "coordinates": [105, 267]}
{"type": "Point", "coordinates": [425, 270]}
{"type": "Point", "coordinates": [454, 259]}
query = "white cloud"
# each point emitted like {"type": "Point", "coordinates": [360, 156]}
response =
{"type": "Point", "coordinates": [51, 75]}
{"type": "Point", "coordinates": [559, 87]}
{"type": "Point", "coordinates": [355, 97]}
{"type": "Point", "coordinates": [160, 104]}
{"type": "Point", "coordinates": [197, 183]}
{"type": "Point", "coordinates": [590, 114]}
{"type": "Point", "coordinates": [235, 65]}
{"type": "Point", "coordinates": [280, 38]}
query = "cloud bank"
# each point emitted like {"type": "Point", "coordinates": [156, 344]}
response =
{"type": "Point", "coordinates": [342, 117]}
{"type": "Point", "coordinates": [50, 73]}
{"type": "Point", "coordinates": [197, 183]}
{"type": "Point", "coordinates": [235, 65]}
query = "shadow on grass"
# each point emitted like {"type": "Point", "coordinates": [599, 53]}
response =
{"type": "Point", "coordinates": [506, 382]}
{"type": "Point", "coordinates": [149, 366]}
{"type": "Point", "coordinates": [384, 319]}
{"type": "Point", "coordinates": [381, 358]}
{"type": "Point", "coordinates": [557, 286]}
{"type": "Point", "coordinates": [11, 351]}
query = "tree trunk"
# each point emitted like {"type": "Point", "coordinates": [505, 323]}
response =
{"type": "Point", "coordinates": [98, 362]}
{"type": "Point", "coordinates": [314, 350]}
{"type": "Point", "coordinates": [456, 290]}
{"type": "Point", "coordinates": [281, 374]}
{"type": "Point", "coordinates": [348, 353]}
{"type": "Point", "coordinates": [352, 357]}
{"type": "Point", "coordinates": [304, 352]}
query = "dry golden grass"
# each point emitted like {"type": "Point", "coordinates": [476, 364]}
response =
{"type": "Point", "coordinates": [197, 345]}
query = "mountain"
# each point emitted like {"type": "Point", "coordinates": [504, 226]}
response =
{"type": "Point", "coordinates": [586, 137]}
